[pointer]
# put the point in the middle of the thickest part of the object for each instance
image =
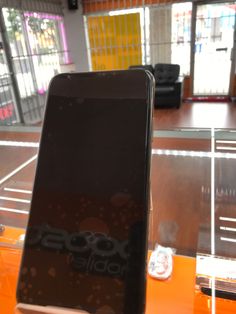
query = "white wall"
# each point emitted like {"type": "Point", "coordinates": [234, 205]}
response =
{"type": "Point", "coordinates": [75, 32]}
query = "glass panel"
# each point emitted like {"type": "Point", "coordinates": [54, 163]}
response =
{"type": "Point", "coordinates": [181, 35]}
{"type": "Point", "coordinates": [39, 51]}
{"type": "Point", "coordinates": [149, 35]}
{"type": "Point", "coordinates": [114, 41]}
{"type": "Point", "coordinates": [18, 153]}
{"type": "Point", "coordinates": [192, 217]}
{"type": "Point", "coordinates": [180, 168]}
{"type": "Point", "coordinates": [8, 109]}
{"type": "Point", "coordinates": [225, 194]}
{"type": "Point", "coordinates": [214, 42]}
{"type": "Point", "coordinates": [216, 258]}
{"type": "Point", "coordinates": [169, 35]}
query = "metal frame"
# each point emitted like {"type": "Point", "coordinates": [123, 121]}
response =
{"type": "Point", "coordinates": [10, 66]}
{"type": "Point", "coordinates": [27, 65]}
{"type": "Point", "coordinates": [192, 45]}
{"type": "Point", "coordinates": [233, 63]}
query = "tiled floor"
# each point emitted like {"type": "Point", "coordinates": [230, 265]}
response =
{"type": "Point", "coordinates": [197, 115]}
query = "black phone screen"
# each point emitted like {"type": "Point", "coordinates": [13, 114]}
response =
{"type": "Point", "coordinates": [85, 244]}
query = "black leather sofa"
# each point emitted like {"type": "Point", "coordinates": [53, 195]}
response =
{"type": "Point", "coordinates": [147, 67]}
{"type": "Point", "coordinates": [168, 88]}
{"type": "Point", "coordinates": [168, 92]}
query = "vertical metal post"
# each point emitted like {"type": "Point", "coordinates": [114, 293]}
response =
{"type": "Point", "coordinates": [233, 64]}
{"type": "Point", "coordinates": [144, 32]}
{"type": "Point", "coordinates": [30, 59]}
{"type": "Point", "coordinates": [28, 49]}
{"type": "Point", "coordinates": [192, 48]}
{"type": "Point", "coordinates": [8, 54]}
{"type": "Point", "coordinates": [213, 228]}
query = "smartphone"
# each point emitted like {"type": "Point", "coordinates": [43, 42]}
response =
{"type": "Point", "coordinates": [86, 240]}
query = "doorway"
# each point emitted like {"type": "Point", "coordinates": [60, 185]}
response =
{"type": "Point", "coordinates": [214, 42]}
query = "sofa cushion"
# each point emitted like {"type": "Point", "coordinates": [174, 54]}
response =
{"type": "Point", "coordinates": [166, 73]}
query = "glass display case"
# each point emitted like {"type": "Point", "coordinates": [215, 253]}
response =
{"type": "Point", "coordinates": [192, 217]}
{"type": "Point", "coordinates": [193, 190]}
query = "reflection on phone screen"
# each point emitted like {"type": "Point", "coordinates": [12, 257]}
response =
{"type": "Point", "coordinates": [87, 229]}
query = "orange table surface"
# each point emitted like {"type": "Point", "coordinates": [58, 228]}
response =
{"type": "Point", "coordinates": [175, 295]}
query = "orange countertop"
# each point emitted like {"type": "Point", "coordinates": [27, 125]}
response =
{"type": "Point", "coordinates": [175, 295]}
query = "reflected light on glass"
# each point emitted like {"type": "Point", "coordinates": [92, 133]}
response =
{"type": "Point", "coordinates": [227, 239]}
{"type": "Point", "coordinates": [225, 142]}
{"type": "Point", "coordinates": [19, 144]}
{"type": "Point", "coordinates": [191, 153]}
{"type": "Point", "coordinates": [227, 229]}
{"type": "Point", "coordinates": [227, 219]}
{"type": "Point", "coordinates": [226, 147]}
